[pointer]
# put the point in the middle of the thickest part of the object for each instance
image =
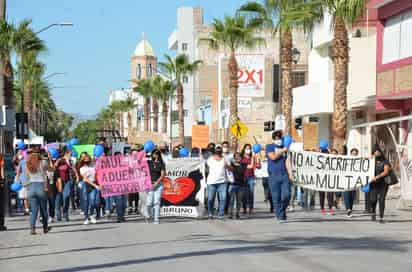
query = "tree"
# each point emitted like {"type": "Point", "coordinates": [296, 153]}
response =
{"type": "Point", "coordinates": [106, 117]}
{"type": "Point", "coordinates": [278, 16]}
{"type": "Point", "coordinates": [6, 47]}
{"type": "Point", "coordinates": [178, 68]}
{"type": "Point", "coordinates": [144, 88]}
{"type": "Point", "coordinates": [117, 108]}
{"type": "Point", "coordinates": [163, 91]}
{"type": "Point", "coordinates": [233, 33]}
{"type": "Point", "coordinates": [127, 106]}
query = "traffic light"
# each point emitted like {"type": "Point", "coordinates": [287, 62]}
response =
{"type": "Point", "coordinates": [269, 126]}
{"type": "Point", "coordinates": [298, 123]}
{"type": "Point", "coordinates": [22, 125]}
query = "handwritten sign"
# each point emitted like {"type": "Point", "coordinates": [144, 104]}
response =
{"type": "Point", "coordinates": [119, 175]}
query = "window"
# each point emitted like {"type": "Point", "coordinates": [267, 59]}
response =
{"type": "Point", "coordinates": [397, 38]}
{"type": "Point", "coordinates": [185, 79]}
{"type": "Point", "coordinates": [184, 46]}
{"type": "Point", "coordinates": [150, 71]}
{"type": "Point", "coordinates": [298, 78]}
{"type": "Point", "coordinates": [139, 71]}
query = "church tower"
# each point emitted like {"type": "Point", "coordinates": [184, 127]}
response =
{"type": "Point", "coordinates": [144, 62]}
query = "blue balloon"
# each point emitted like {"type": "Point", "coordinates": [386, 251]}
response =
{"type": "Point", "coordinates": [184, 152]}
{"type": "Point", "coordinates": [15, 187]}
{"type": "Point", "coordinates": [323, 144]}
{"type": "Point", "coordinates": [148, 146]}
{"type": "Point", "coordinates": [54, 153]}
{"type": "Point", "coordinates": [98, 151]}
{"type": "Point", "coordinates": [366, 188]}
{"type": "Point", "coordinates": [287, 140]}
{"type": "Point", "coordinates": [74, 154]}
{"type": "Point", "coordinates": [21, 145]}
{"type": "Point", "coordinates": [257, 148]}
{"type": "Point", "coordinates": [74, 141]}
{"type": "Point", "coordinates": [69, 145]}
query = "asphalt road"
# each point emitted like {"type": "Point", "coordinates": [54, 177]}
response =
{"type": "Point", "coordinates": [307, 242]}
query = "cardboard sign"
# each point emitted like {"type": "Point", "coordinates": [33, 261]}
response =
{"type": "Point", "coordinates": [330, 173]}
{"type": "Point", "coordinates": [181, 185]}
{"type": "Point", "coordinates": [120, 175]}
{"type": "Point", "coordinates": [200, 136]}
{"type": "Point", "coordinates": [84, 148]}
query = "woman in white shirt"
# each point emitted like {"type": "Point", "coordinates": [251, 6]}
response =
{"type": "Point", "coordinates": [88, 173]}
{"type": "Point", "coordinates": [216, 182]}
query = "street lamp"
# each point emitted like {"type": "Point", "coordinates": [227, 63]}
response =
{"type": "Point", "coordinates": [52, 75]}
{"type": "Point", "coordinates": [52, 25]}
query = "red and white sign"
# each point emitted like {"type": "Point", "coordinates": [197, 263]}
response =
{"type": "Point", "coordinates": [251, 75]}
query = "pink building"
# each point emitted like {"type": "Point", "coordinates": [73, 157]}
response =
{"type": "Point", "coordinates": [394, 58]}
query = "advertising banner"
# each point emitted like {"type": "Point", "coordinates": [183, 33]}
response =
{"type": "Point", "coordinates": [251, 75]}
{"type": "Point", "coordinates": [120, 175]}
{"type": "Point", "coordinates": [330, 173]}
{"type": "Point", "coordinates": [182, 183]}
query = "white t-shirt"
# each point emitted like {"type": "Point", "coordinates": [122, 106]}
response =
{"type": "Point", "coordinates": [217, 172]}
{"type": "Point", "coordinates": [88, 172]}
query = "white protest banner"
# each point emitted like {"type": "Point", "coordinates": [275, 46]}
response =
{"type": "Point", "coordinates": [251, 75]}
{"type": "Point", "coordinates": [181, 184]}
{"type": "Point", "coordinates": [330, 173]}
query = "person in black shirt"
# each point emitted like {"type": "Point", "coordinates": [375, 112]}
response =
{"type": "Point", "coordinates": [238, 187]}
{"type": "Point", "coordinates": [157, 174]}
{"type": "Point", "coordinates": [378, 186]}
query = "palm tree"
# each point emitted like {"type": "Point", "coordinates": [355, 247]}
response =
{"type": "Point", "coordinates": [127, 106]}
{"type": "Point", "coordinates": [106, 116]}
{"type": "Point", "coordinates": [277, 15]}
{"type": "Point", "coordinates": [117, 108]}
{"type": "Point", "coordinates": [163, 91]}
{"type": "Point", "coordinates": [233, 33]}
{"type": "Point", "coordinates": [144, 88]}
{"type": "Point", "coordinates": [6, 47]}
{"type": "Point", "coordinates": [178, 68]}
{"type": "Point", "coordinates": [344, 14]}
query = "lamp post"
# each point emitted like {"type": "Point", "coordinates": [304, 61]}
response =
{"type": "Point", "coordinates": [21, 121]}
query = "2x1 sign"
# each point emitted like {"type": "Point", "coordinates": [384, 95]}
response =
{"type": "Point", "coordinates": [251, 75]}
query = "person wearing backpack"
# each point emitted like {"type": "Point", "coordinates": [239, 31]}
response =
{"type": "Point", "coordinates": [378, 186]}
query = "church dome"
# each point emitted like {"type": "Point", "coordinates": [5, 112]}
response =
{"type": "Point", "coordinates": [144, 49]}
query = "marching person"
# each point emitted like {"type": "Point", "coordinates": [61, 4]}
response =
{"type": "Point", "coordinates": [252, 162]}
{"type": "Point", "coordinates": [157, 173]}
{"type": "Point", "coordinates": [329, 196]}
{"type": "Point", "coordinates": [238, 187]}
{"type": "Point", "coordinates": [228, 156]}
{"type": "Point", "coordinates": [92, 200]}
{"type": "Point", "coordinates": [216, 182]}
{"type": "Point", "coordinates": [37, 190]}
{"type": "Point", "coordinates": [349, 196]}
{"type": "Point", "coordinates": [19, 162]}
{"type": "Point", "coordinates": [338, 195]}
{"type": "Point", "coordinates": [280, 175]}
{"type": "Point", "coordinates": [3, 197]}
{"type": "Point", "coordinates": [378, 186]}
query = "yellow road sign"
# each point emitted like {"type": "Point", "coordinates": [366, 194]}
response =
{"type": "Point", "coordinates": [239, 129]}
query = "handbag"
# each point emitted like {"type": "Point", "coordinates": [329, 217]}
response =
{"type": "Point", "coordinates": [391, 179]}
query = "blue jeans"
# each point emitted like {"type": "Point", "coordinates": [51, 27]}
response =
{"type": "Point", "coordinates": [349, 197]}
{"type": "Point", "coordinates": [212, 189]}
{"type": "Point", "coordinates": [154, 198]}
{"type": "Point", "coordinates": [236, 193]}
{"type": "Point", "coordinates": [120, 206]}
{"type": "Point", "coordinates": [38, 199]}
{"type": "Point", "coordinates": [83, 195]}
{"type": "Point", "coordinates": [108, 203]}
{"type": "Point", "coordinates": [249, 196]}
{"type": "Point", "coordinates": [63, 199]}
{"type": "Point", "coordinates": [280, 188]}
{"type": "Point", "coordinates": [52, 205]}
{"type": "Point", "coordinates": [93, 202]}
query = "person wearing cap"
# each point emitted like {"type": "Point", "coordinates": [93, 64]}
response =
{"type": "Point", "coordinates": [280, 175]}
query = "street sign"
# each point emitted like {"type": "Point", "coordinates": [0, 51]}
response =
{"type": "Point", "coordinates": [239, 129]}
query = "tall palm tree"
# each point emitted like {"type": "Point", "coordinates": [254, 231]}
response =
{"type": "Point", "coordinates": [32, 71]}
{"type": "Point", "coordinates": [144, 88]}
{"type": "Point", "coordinates": [163, 93]}
{"type": "Point", "coordinates": [106, 116]}
{"type": "Point", "coordinates": [178, 68]}
{"type": "Point", "coordinates": [127, 106]}
{"type": "Point", "coordinates": [6, 47]}
{"type": "Point", "coordinates": [156, 85]}
{"type": "Point", "coordinates": [26, 44]}
{"type": "Point", "coordinates": [272, 14]}
{"type": "Point", "coordinates": [117, 108]}
{"type": "Point", "coordinates": [233, 33]}
{"type": "Point", "coordinates": [344, 14]}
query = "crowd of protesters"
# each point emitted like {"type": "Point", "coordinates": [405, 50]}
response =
{"type": "Point", "coordinates": [54, 185]}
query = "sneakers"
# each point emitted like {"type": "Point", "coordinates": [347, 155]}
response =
{"type": "Point", "coordinates": [33, 231]}
{"type": "Point", "coordinates": [50, 220]}
{"type": "Point", "coordinates": [349, 213]}
{"type": "Point", "coordinates": [331, 212]}
{"type": "Point", "coordinates": [46, 229]}
{"type": "Point", "coordinates": [373, 217]}
{"type": "Point", "coordinates": [322, 211]}
{"type": "Point", "coordinates": [156, 222]}
{"type": "Point", "coordinates": [86, 222]}
{"type": "Point", "coordinates": [93, 219]}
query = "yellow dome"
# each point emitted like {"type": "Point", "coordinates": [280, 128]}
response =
{"type": "Point", "coordinates": [144, 49]}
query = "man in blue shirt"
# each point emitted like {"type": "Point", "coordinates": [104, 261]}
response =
{"type": "Point", "coordinates": [280, 175]}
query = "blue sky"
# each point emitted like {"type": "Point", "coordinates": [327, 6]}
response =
{"type": "Point", "coordinates": [95, 53]}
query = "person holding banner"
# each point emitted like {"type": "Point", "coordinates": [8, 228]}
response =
{"type": "Point", "coordinates": [329, 196]}
{"type": "Point", "coordinates": [88, 173]}
{"type": "Point", "coordinates": [280, 175]}
{"type": "Point", "coordinates": [349, 196]}
{"type": "Point", "coordinates": [157, 173]}
{"type": "Point", "coordinates": [378, 186]}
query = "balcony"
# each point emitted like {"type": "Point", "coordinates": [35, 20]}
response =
{"type": "Point", "coordinates": [172, 43]}
{"type": "Point", "coordinates": [312, 99]}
